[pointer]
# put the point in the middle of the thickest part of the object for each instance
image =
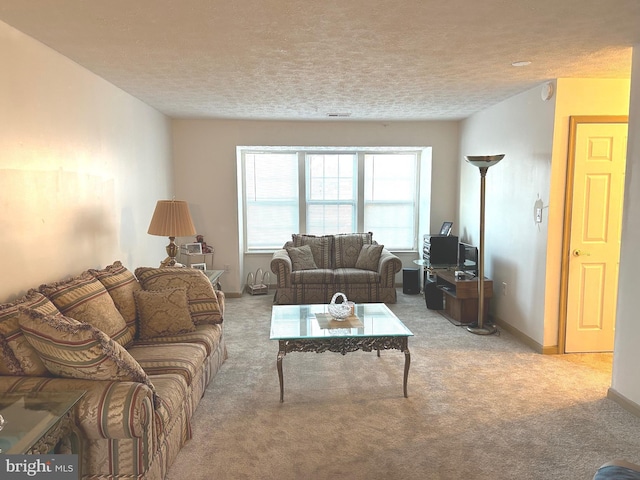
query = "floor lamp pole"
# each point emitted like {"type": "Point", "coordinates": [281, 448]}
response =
{"type": "Point", "coordinates": [483, 163]}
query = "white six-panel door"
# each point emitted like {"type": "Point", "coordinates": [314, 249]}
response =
{"type": "Point", "coordinates": [594, 246]}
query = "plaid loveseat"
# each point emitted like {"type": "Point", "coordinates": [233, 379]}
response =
{"type": "Point", "coordinates": [311, 269]}
{"type": "Point", "coordinates": [143, 347]}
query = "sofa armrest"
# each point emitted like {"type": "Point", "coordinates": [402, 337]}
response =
{"type": "Point", "coordinates": [389, 265]}
{"type": "Point", "coordinates": [281, 266]}
{"type": "Point", "coordinates": [221, 301]}
{"type": "Point", "coordinates": [109, 409]}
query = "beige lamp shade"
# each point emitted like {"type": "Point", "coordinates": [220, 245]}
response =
{"type": "Point", "coordinates": [171, 218]}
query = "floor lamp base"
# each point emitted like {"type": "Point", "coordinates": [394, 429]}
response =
{"type": "Point", "coordinates": [485, 330]}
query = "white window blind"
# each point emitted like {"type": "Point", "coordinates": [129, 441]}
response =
{"type": "Point", "coordinates": [271, 199]}
{"type": "Point", "coordinates": [331, 194]}
{"type": "Point", "coordinates": [390, 198]}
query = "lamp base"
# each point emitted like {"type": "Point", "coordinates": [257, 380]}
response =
{"type": "Point", "coordinates": [170, 262]}
{"type": "Point", "coordinates": [172, 251]}
{"type": "Point", "coordinates": [484, 330]}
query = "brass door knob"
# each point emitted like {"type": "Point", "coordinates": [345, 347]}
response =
{"type": "Point", "coordinates": [580, 253]}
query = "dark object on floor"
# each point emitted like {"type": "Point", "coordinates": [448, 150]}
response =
{"type": "Point", "coordinates": [433, 296]}
{"type": "Point", "coordinates": [411, 281]}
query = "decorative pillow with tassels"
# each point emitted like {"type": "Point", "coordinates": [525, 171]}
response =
{"type": "Point", "coordinates": [85, 299]}
{"type": "Point", "coordinates": [19, 357]}
{"type": "Point", "coordinates": [121, 285]}
{"type": "Point", "coordinates": [72, 349]}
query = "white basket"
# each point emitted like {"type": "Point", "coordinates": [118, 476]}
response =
{"type": "Point", "coordinates": [339, 311]}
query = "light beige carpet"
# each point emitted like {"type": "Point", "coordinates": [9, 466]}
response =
{"type": "Point", "coordinates": [479, 407]}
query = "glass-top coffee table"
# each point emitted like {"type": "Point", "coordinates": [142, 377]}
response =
{"type": "Point", "coordinates": [310, 328]}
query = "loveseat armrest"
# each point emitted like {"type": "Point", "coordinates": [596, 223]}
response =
{"type": "Point", "coordinates": [108, 409]}
{"type": "Point", "coordinates": [389, 265]}
{"type": "Point", "coordinates": [281, 266]}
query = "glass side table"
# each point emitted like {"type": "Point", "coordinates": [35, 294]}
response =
{"type": "Point", "coordinates": [425, 272]}
{"type": "Point", "coordinates": [214, 278]}
{"type": "Point", "coordinates": [37, 423]}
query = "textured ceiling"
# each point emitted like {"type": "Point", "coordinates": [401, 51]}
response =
{"type": "Point", "coordinates": [304, 59]}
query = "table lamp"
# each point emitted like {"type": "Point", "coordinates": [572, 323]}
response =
{"type": "Point", "coordinates": [172, 219]}
{"type": "Point", "coordinates": [483, 162]}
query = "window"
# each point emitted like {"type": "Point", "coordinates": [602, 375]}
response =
{"type": "Point", "coordinates": [271, 199]}
{"type": "Point", "coordinates": [331, 194]}
{"type": "Point", "coordinates": [390, 198]}
{"type": "Point", "coordinates": [322, 191]}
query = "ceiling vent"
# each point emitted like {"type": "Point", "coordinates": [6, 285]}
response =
{"type": "Point", "coordinates": [338, 115]}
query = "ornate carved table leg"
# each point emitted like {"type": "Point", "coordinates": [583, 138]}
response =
{"type": "Point", "coordinates": [281, 353]}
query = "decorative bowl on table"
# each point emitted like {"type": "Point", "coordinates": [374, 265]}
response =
{"type": "Point", "coordinates": [339, 311]}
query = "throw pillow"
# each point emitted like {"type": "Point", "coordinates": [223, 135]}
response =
{"type": "Point", "coordinates": [73, 349]}
{"type": "Point", "coordinates": [301, 258]}
{"type": "Point", "coordinates": [85, 299]}
{"type": "Point", "coordinates": [163, 312]}
{"type": "Point", "coordinates": [369, 257]}
{"type": "Point", "coordinates": [203, 301]}
{"type": "Point", "coordinates": [21, 358]}
{"type": "Point", "coordinates": [348, 246]}
{"type": "Point", "coordinates": [121, 284]}
{"type": "Point", "coordinates": [320, 246]}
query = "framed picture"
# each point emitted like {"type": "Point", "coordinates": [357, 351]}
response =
{"type": "Point", "coordinates": [199, 266]}
{"type": "Point", "coordinates": [193, 248]}
{"type": "Point", "coordinates": [445, 229]}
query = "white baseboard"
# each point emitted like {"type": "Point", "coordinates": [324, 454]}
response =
{"type": "Point", "coordinates": [549, 350]}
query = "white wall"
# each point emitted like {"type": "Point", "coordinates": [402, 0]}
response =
{"type": "Point", "coordinates": [626, 357]}
{"type": "Point", "coordinates": [81, 166]}
{"type": "Point", "coordinates": [205, 159]}
{"type": "Point", "coordinates": [521, 128]}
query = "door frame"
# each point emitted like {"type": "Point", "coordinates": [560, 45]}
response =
{"type": "Point", "coordinates": [574, 121]}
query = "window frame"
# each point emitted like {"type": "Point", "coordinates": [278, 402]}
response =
{"type": "Point", "coordinates": [302, 153]}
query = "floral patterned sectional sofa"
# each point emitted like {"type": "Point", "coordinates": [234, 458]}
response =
{"type": "Point", "coordinates": [143, 346]}
{"type": "Point", "coordinates": [311, 269]}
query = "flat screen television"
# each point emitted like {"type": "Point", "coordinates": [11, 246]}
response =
{"type": "Point", "coordinates": [468, 258]}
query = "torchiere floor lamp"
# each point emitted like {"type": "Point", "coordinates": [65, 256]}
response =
{"type": "Point", "coordinates": [483, 163]}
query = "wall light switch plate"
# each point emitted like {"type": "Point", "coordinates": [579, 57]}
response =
{"type": "Point", "coordinates": [537, 210]}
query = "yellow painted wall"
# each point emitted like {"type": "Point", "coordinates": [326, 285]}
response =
{"type": "Point", "coordinates": [573, 97]}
